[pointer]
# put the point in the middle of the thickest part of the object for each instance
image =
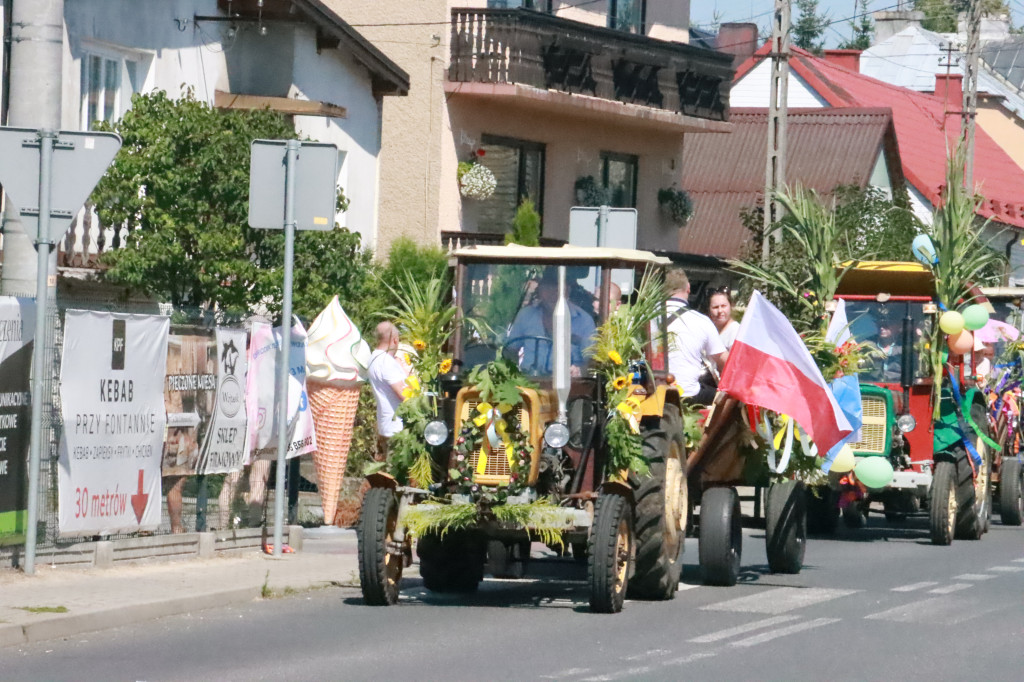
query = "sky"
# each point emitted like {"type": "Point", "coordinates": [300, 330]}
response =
{"type": "Point", "coordinates": [703, 13]}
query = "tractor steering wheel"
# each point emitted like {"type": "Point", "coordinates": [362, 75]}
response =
{"type": "Point", "coordinates": [518, 349]}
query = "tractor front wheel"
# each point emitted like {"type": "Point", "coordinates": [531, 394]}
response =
{"type": "Point", "coordinates": [1011, 502]}
{"type": "Point", "coordinates": [611, 552]}
{"type": "Point", "coordinates": [721, 536]}
{"type": "Point", "coordinates": [942, 504]}
{"type": "Point", "coordinates": [786, 526]}
{"type": "Point", "coordinates": [381, 559]}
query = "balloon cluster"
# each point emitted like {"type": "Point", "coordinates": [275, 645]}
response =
{"type": "Point", "coordinates": [873, 472]}
{"type": "Point", "coordinates": [958, 327]}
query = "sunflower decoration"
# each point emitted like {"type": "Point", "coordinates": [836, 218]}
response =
{"type": "Point", "coordinates": [445, 366]}
{"type": "Point", "coordinates": [420, 345]}
{"type": "Point", "coordinates": [618, 354]}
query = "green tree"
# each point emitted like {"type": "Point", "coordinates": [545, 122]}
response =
{"type": "Point", "coordinates": [808, 31]}
{"type": "Point", "coordinates": [525, 226]}
{"type": "Point", "coordinates": [861, 27]}
{"type": "Point", "coordinates": [941, 15]}
{"type": "Point", "coordinates": [181, 184]}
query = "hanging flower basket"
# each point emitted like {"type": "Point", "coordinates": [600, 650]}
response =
{"type": "Point", "coordinates": [476, 181]}
{"type": "Point", "coordinates": [676, 204]}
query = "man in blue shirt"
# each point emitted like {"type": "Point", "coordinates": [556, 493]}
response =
{"type": "Point", "coordinates": [531, 331]}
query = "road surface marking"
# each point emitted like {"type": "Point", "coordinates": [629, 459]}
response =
{"type": "Point", "coordinates": [689, 658]}
{"type": "Point", "coordinates": [647, 654]}
{"type": "Point", "coordinates": [973, 576]}
{"type": "Point", "coordinates": [686, 586]}
{"type": "Point", "coordinates": [1006, 569]}
{"type": "Point", "coordinates": [779, 600]}
{"type": "Point", "coordinates": [934, 610]}
{"type": "Point", "coordinates": [1018, 561]}
{"type": "Point", "coordinates": [782, 632]}
{"type": "Point", "coordinates": [946, 589]}
{"type": "Point", "coordinates": [913, 586]}
{"type": "Point", "coordinates": [565, 673]}
{"type": "Point", "coordinates": [620, 674]}
{"type": "Point", "coordinates": [742, 629]}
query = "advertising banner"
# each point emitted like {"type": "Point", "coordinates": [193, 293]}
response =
{"type": "Point", "coordinates": [17, 327]}
{"type": "Point", "coordinates": [189, 394]}
{"type": "Point", "coordinates": [259, 393]}
{"type": "Point", "coordinates": [112, 399]}
{"type": "Point", "coordinates": [224, 449]}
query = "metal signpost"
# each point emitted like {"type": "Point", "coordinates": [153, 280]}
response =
{"type": "Point", "coordinates": [293, 185]}
{"type": "Point", "coordinates": [604, 226]}
{"type": "Point", "coordinates": [60, 185]}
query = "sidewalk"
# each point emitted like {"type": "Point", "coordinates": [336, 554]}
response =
{"type": "Point", "coordinates": [60, 602]}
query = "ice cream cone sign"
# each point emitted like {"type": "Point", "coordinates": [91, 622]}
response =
{"type": "Point", "coordinates": [336, 362]}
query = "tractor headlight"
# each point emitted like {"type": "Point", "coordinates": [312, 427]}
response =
{"type": "Point", "coordinates": [556, 435]}
{"type": "Point", "coordinates": [435, 433]}
{"type": "Point", "coordinates": [906, 423]}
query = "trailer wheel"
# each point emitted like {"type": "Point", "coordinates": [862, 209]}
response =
{"type": "Point", "coordinates": [661, 510]}
{"type": "Point", "coordinates": [721, 536]}
{"type": "Point", "coordinates": [611, 551]}
{"type": "Point", "coordinates": [942, 504]}
{"type": "Point", "coordinates": [786, 527]}
{"type": "Point", "coordinates": [822, 510]}
{"type": "Point", "coordinates": [380, 567]}
{"type": "Point", "coordinates": [453, 563]}
{"type": "Point", "coordinates": [1011, 503]}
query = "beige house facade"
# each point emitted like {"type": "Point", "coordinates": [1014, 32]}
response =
{"type": "Point", "coordinates": [560, 103]}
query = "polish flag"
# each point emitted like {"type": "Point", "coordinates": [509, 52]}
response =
{"type": "Point", "coordinates": [769, 366]}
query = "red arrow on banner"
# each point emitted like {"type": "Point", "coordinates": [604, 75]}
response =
{"type": "Point", "coordinates": [139, 500]}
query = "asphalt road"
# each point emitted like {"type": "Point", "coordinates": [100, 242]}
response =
{"type": "Point", "coordinates": [873, 604]}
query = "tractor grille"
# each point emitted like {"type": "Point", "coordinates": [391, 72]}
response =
{"type": "Point", "coordinates": [873, 432]}
{"type": "Point", "coordinates": [496, 471]}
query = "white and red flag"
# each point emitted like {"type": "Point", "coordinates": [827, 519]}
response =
{"type": "Point", "coordinates": [769, 366]}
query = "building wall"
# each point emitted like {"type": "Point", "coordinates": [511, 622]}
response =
{"type": "Point", "coordinates": [172, 49]}
{"type": "Point", "coordinates": [665, 19]}
{"type": "Point", "coordinates": [1003, 127]}
{"type": "Point", "coordinates": [755, 88]}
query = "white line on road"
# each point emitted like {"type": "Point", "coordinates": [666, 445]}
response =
{"type": "Point", "coordinates": [779, 600]}
{"type": "Point", "coordinates": [686, 586]}
{"type": "Point", "coordinates": [742, 629]}
{"type": "Point", "coordinates": [973, 576]}
{"type": "Point", "coordinates": [913, 586]}
{"type": "Point", "coordinates": [1018, 561]}
{"type": "Point", "coordinates": [689, 658]}
{"type": "Point", "coordinates": [651, 653]}
{"type": "Point", "coordinates": [934, 610]}
{"type": "Point", "coordinates": [1006, 569]}
{"type": "Point", "coordinates": [947, 589]}
{"type": "Point", "coordinates": [565, 673]}
{"type": "Point", "coordinates": [782, 632]}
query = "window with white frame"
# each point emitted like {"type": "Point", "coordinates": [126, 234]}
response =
{"type": "Point", "coordinates": [108, 82]}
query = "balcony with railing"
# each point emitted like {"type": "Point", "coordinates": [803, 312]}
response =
{"type": "Point", "coordinates": [515, 48]}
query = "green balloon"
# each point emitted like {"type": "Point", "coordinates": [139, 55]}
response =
{"type": "Point", "coordinates": [874, 472]}
{"type": "Point", "coordinates": [975, 317]}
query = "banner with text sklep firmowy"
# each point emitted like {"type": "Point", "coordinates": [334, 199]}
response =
{"type": "Point", "coordinates": [112, 399]}
{"type": "Point", "coordinates": [17, 327]}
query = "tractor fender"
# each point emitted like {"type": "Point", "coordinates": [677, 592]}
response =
{"type": "Point", "coordinates": [618, 488]}
{"type": "Point", "coordinates": [379, 479]}
{"type": "Point", "coordinates": [654, 404]}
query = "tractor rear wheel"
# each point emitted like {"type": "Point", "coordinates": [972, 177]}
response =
{"type": "Point", "coordinates": [942, 503]}
{"type": "Point", "coordinates": [661, 510]}
{"type": "Point", "coordinates": [1011, 503]}
{"type": "Point", "coordinates": [786, 526]}
{"type": "Point", "coordinates": [721, 536]}
{"type": "Point", "coordinates": [453, 563]}
{"type": "Point", "coordinates": [610, 553]}
{"type": "Point", "coordinates": [380, 565]}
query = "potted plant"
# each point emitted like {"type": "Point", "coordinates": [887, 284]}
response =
{"type": "Point", "coordinates": [590, 193]}
{"type": "Point", "coordinates": [677, 205]}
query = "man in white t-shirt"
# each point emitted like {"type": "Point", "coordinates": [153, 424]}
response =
{"type": "Point", "coordinates": [387, 377]}
{"type": "Point", "coordinates": [692, 338]}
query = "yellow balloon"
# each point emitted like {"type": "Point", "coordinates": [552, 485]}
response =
{"type": "Point", "coordinates": [951, 322]}
{"type": "Point", "coordinates": [844, 461]}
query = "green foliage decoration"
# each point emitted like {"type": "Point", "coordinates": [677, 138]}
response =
{"type": "Point", "coordinates": [429, 518]}
{"type": "Point", "coordinates": [589, 192]}
{"type": "Point", "coordinates": [677, 203]}
{"type": "Point", "coordinates": [525, 226]}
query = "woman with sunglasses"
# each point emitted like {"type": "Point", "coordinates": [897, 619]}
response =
{"type": "Point", "coordinates": [720, 312]}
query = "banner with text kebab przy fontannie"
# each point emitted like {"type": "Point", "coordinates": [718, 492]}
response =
{"type": "Point", "coordinates": [204, 398]}
{"type": "Point", "coordinates": [17, 327]}
{"type": "Point", "coordinates": [112, 399]}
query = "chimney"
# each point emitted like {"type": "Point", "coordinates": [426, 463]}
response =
{"type": "Point", "coordinates": [888, 24]}
{"type": "Point", "coordinates": [848, 59]}
{"type": "Point", "coordinates": [738, 39]}
{"type": "Point", "coordinates": [950, 89]}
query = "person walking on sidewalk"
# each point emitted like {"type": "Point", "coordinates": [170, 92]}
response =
{"type": "Point", "coordinates": [692, 339]}
{"type": "Point", "coordinates": [387, 377]}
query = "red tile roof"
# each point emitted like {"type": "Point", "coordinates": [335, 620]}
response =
{"type": "Point", "coordinates": [918, 118]}
{"type": "Point", "coordinates": [724, 174]}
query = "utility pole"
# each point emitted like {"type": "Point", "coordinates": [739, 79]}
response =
{"type": "Point", "coordinates": [775, 168]}
{"type": "Point", "coordinates": [970, 103]}
{"type": "Point", "coordinates": [37, 40]}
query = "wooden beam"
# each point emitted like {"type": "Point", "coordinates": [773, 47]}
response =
{"type": "Point", "coordinates": [285, 105]}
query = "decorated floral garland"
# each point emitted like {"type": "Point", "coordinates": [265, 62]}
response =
{"type": "Point", "coordinates": [488, 428]}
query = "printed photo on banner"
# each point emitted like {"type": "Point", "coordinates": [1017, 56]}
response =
{"type": "Point", "coordinates": [264, 347]}
{"type": "Point", "coordinates": [17, 327]}
{"type": "Point", "coordinates": [112, 402]}
{"type": "Point", "coordinates": [189, 394]}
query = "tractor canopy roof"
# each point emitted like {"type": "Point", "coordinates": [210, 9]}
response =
{"type": "Point", "coordinates": [555, 255]}
{"type": "Point", "coordinates": [896, 278]}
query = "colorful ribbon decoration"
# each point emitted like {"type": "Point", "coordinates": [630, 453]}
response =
{"type": "Point", "coordinates": [495, 428]}
{"type": "Point", "coordinates": [629, 409]}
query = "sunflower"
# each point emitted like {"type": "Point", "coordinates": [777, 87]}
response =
{"type": "Point", "coordinates": [620, 382]}
{"type": "Point", "coordinates": [614, 356]}
{"type": "Point", "coordinates": [419, 344]}
{"type": "Point", "coordinates": [446, 365]}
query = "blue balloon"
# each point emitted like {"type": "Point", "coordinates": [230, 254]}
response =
{"type": "Point", "coordinates": [924, 250]}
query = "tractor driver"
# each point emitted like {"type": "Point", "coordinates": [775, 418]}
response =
{"type": "Point", "coordinates": [890, 349]}
{"type": "Point", "coordinates": [531, 332]}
